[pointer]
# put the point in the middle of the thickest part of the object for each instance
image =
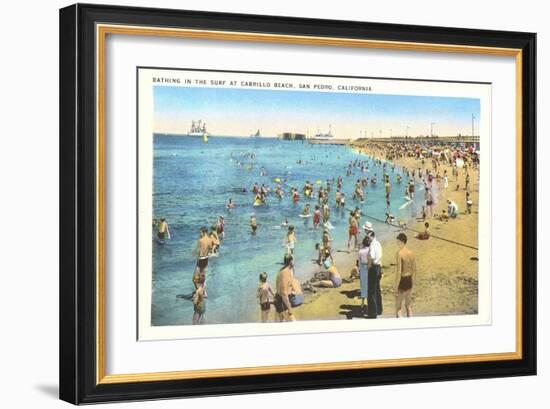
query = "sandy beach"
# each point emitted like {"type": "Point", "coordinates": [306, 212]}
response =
{"type": "Point", "coordinates": [447, 273]}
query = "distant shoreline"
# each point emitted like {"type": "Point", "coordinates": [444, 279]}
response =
{"type": "Point", "coordinates": [352, 142]}
{"type": "Point", "coordinates": [183, 135]}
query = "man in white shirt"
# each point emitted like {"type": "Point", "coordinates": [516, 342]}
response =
{"type": "Point", "coordinates": [374, 258]}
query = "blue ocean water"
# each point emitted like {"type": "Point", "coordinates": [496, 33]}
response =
{"type": "Point", "coordinates": [193, 180]}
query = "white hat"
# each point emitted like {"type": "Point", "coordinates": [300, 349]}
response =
{"type": "Point", "coordinates": [367, 226]}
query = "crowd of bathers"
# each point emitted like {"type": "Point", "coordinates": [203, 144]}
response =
{"type": "Point", "coordinates": [211, 239]}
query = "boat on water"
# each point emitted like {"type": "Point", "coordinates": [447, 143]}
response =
{"type": "Point", "coordinates": [256, 135]}
{"type": "Point", "coordinates": [320, 136]}
{"type": "Point", "coordinates": [198, 130]}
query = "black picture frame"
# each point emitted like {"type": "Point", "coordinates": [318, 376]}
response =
{"type": "Point", "coordinates": [78, 309]}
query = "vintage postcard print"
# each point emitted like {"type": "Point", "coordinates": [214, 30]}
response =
{"type": "Point", "coordinates": [279, 203]}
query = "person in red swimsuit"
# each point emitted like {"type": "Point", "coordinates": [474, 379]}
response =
{"type": "Point", "coordinates": [316, 217]}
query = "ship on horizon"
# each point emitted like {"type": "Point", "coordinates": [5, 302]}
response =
{"type": "Point", "coordinates": [256, 135]}
{"type": "Point", "coordinates": [324, 136]}
{"type": "Point", "coordinates": [198, 130]}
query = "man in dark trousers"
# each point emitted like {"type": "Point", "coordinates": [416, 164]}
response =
{"type": "Point", "coordinates": [374, 297]}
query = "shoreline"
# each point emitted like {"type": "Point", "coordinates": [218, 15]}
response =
{"type": "Point", "coordinates": [447, 273]}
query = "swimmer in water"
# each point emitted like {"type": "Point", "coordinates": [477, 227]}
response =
{"type": "Point", "coordinates": [163, 230]}
{"type": "Point", "coordinates": [338, 197]}
{"type": "Point", "coordinates": [220, 227]}
{"type": "Point", "coordinates": [279, 192]}
{"type": "Point", "coordinates": [259, 199]}
{"type": "Point", "coordinates": [253, 223]}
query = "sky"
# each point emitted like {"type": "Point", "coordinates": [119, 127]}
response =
{"type": "Point", "coordinates": [241, 112]}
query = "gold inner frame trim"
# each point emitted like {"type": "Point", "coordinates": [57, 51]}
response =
{"type": "Point", "coordinates": [102, 30]}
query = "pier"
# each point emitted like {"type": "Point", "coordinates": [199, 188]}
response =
{"type": "Point", "coordinates": [423, 139]}
{"type": "Point", "coordinates": [328, 141]}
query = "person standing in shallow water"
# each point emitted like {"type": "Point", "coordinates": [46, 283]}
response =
{"type": "Point", "coordinates": [353, 231]}
{"type": "Point", "coordinates": [163, 230]}
{"type": "Point", "coordinates": [411, 188]}
{"type": "Point", "coordinates": [405, 276]}
{"type": "Point", "coordinates": [264, 295]}
{"type": "Point", "coordinates": [290, 240]}
{"type": "Point", "coordinates": [316, 217]}
{"type": "Point", "coordinates": [253, 224]}
{"type": "Point", "coordinates": [220, 227]}
{"type": "Point", "coordinates": [203, 250]}
{"type": "Point", "coordinates": [199, 302]}
{"type": "Point", "coordinates": [326, 213]}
